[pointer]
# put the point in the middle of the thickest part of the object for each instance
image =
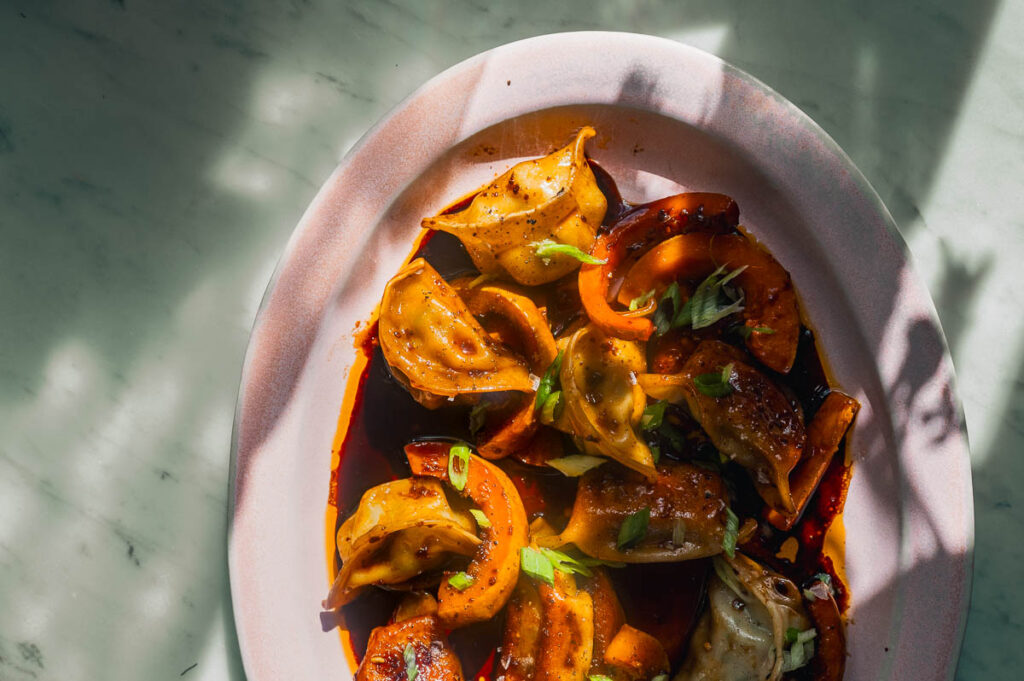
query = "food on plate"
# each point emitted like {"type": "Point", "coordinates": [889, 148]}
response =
{"type": "Point", "coordinates": [592, 441]}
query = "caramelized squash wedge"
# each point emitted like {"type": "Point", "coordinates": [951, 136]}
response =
{"type": "Point", "coordinates": [494, 568]}
{"type": "Point", "coordinates": [637, 654]}
{"type": "Point", "coordinates": [636, 232]}
{"type": "Point", "coordinates": [769, 297]}
{"type": "Point", "coordinates": [433, 657]}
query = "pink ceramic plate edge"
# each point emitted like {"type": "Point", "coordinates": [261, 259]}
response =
{"type": "Point", "coordinates": [909, 516]}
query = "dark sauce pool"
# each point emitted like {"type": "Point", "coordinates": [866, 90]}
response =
{"type": "Point", "coordinates": [662, 599]}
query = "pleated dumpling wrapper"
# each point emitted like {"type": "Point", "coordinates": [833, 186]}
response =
{"type": "Point", "coordinates": [552, 198]}
{"type": "Point", "coordinates": [434, 345]}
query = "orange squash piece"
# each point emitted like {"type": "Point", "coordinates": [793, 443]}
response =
{"type": "Point", "coordinates": [638, 654]}
{"type": "Point", "coordinates": [769, 298]}
{"type": "Point", "coordinates": [385, 652]}
{"type": "Point", "coordinates": [638, 230]}
{"type": "Point", "coordinates": [494, 568]}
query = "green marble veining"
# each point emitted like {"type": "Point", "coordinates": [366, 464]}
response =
{"type": "Point", "coordinates": [154, 158]}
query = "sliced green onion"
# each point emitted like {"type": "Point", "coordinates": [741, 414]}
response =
{"type": "Point", "coordinates": [552, 408]}
{"type": "Point", "coordinates": [575, 465]}
{"type": "Point", "coordinates": [732, 530]}
{"type": "Point", "coordinates": [653, 415]}
{"type": "Point", "coordinates": [726, 573]}
{"type": "Point", "coordinates": [820, 588]}
{"type": "Point", "coordinates": [663, 319]}
{"type": "Point", "coordinates": [548, 248]}
{"type": "Point", "coordinates": [458, 466]}
{"type": "Point", "coordinates": [715, 384]}
{"type": "Point", "coordinates": [549, 381]}
{"type": "Point", "coordinates": [598, 677]}
{"type": "Point", "coordinates": [477, 417]}
{"type": "Point", "coordinates": [801, 651]}
{"type": "Point", "coordinates": [655, 453]}
{"type": "Point", "coordinates": [536, 565]}
{"type": "Point", "coordinates": [461, 581]}
{"type": "Point", "coordinates": [660, 677]}
{"type": "Point", "coordinates": [706, 306]}
{"type": "Point", "coordinates": [633, 529]}
{"type": "Point", "coordinates": [745, 331]}
{"type": "Point", "coordinates": [791, 634]}
{"type": "Point", "coordinates": [479, 517]}
{"type": "Point", "coordinates": [411, 670]}
{"type": "Point", "coordinates": [640, 300]}
{"type": "Point", "coordinates": [563, 562]}
{"type": "Point", "coordinates": [480, 279]}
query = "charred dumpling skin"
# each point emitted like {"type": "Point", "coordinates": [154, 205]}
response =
{"type": "Point", "coordinates": [385, 653]}
{"type": "Point", "coordinates": [755, 424]}
{"type": "Point", "coordinates": [549, 632]}
{"type": "Point", "coordinates": [401, 530]}
{"type": "Point", "coordinates": [742, 635]}
{"type": "Point", "coordinates": [555, 197]}
{"type": "Point", "coordinates": [603, 402]}
{"type": "Point", "coordinates": [435, 347]}
{"type": "Point", "coordinates": [687, 505]}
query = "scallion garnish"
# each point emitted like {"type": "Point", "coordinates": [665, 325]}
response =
{"type": "Point", "coordinates": [598, 677]}
{"type": "Point", "coordinates": [653, 416]}
{"type": "Point", "coordinates": [669, 306]}
{"type": "Point", "coordinates": [552, 408]}
{"type": "Point", "coordinates": [461, 581]}
{"type": "Point", "coordinates": [633, 529]}
{"type": "Point", "coordinates": [820, 588]}
{"type": "Point", "coordinates": [745, 330]}
{"type": "Point", "coordinates": [712, 301]}
{"type": "Point", "coordinates": [563, 562]}
{"type": "Point", "coordinates": [536, 565]}
{"type": "Point", "coordinates": [458, 466]}
{"type": "Point", "coordinates": [479, 517]}
{"type": "Point", "coordinates": [732, 530]}
{"type": "Point", "coordinates": [640, 300]}
{"type": "Point", "coordinates": [409, 655]}
{"type": "Point", "coordinates": [575, 465]}
{"type": "Point", "coordinates": [549, 382]}
{"type": "Point", "coordinates": [477, 417]}
{"type": "Point", "coordinates": [660, 677]}
{"type": "Point", "coordinates": [801, 650]}
{"type": "Point", "coordinates": [715, 384]}
{"type": "Point", "coordinates": [679, 533]}
{"type": "Point", "coordinates": [548, 248]}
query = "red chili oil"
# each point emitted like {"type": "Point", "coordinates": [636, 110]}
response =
{"type": "Point", "coordinates": [663, 599]}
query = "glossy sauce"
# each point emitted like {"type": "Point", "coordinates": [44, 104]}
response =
{"type": "Point", "coordinates": [379, 417]}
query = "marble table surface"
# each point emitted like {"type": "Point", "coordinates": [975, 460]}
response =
{"type": "Point", "coordinates": [154, 157]}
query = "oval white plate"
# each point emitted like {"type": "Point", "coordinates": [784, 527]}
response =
{"type": "Point", "coordinates": [668, 117]}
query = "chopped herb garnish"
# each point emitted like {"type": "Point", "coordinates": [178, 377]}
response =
{"type": "Point", "coordinates": [712, 301]}
{"type": "Point", "coordinates": [715, 384]}
{"type": "Point", "coordinates": [552, 408]}
{"type": "Point", "coordinates": [536, 565]}
{"type": "Point", "coordinates": [477, 417]}
{"type": "Point", "coordinates": [461, 581]}
{"type": "Point", "coordinates": [575, 465]}
{"type": "Point", "coordinates": [548, 248]}
{"type": "Point", "coordinates": [820, 588]}
{"type": "Point", "coordinates": [732, 530]}
{"type": "Point", "coordinates": [653, 415]}
{"type": "Point", "coordinates": [679, 533]}
{"type": "Point", "coordinates": [549, 382]}
{"type": "Point", "coordinates": [801, 650]}
{"type": "Point", "coordinates": [411, 670]}
{"type": "Point", "coordinates": [745, 330]}
{"type": "Point", "coordinates": [458, 466]}
{"type": "Point", "coordinates": [641, 300]}
{"type": "Point", "coordinates": [655, 452]}
{"type": "Point", "coordinates": [563, 562]}
{"type": "Point", "coordinates": [633, 529]}
{"type": "Point", "coordinates": [598, 677]}
{"type": "Point", "coordinates": [669, 306]}
{"type": "Point", "coordinates": [479, 517]}
{"type": "Point", "coordinates": [660, 677]}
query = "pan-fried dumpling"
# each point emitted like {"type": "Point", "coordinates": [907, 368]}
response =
{"type": "Point", "coordinates": [687, 506]}
{"type": "Point", "coordinates": [551, 198]}
{"type": "Point", "coordinates": [435, 347]}
{"type": "Point", "coordinates": [401, 530]}
{"type": "Point", "coordinates": [743, 634]}
{"type": "Point", "coordinates": [418, 643]}
{"type": "Point", "coordinates": [603, 402]}
{"type": "Point", "coordinates": [755, 423]}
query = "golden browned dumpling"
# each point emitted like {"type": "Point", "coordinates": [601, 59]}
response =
{"type": "Point", "coordinates": [401, 530]}
{"type": "Point", "coordinates": [603, 403]}
{"type": "Point", "coordinates": [435, 347]}
{"type": "Point", "coordinates": [686, 509]}
{"type": "Point", "coordinates": [753, 422]}
{"type": "Point", "coordinates": [552, 198]}
{"type": "Point", "coordinates": [417, 645]}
